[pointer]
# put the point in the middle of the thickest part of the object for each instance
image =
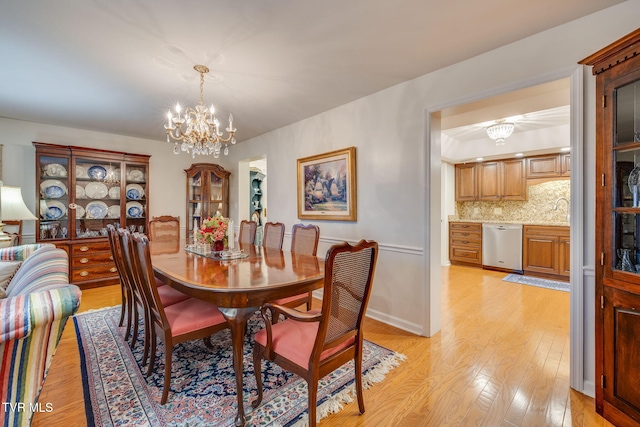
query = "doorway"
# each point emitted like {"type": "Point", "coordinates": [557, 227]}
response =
{"type": "Point", "coordinates": [434, 214]}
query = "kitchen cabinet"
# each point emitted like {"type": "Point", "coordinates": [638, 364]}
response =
{"type": "Point", "coordinates": [549, 166]}
{"type": "Point", "coordinates": [465, 243]}
{"type": "Point", "coordinates": [81, 190]}
{"type": "Point", "coordinates": [502, 180]}
{"type": "Point", "coordinates": [466, 182]}
{"type": "Point", "coordinates": [617, 319]}
{"type": "Point", "coordinates": [545, 251]}
{"type": "Point", "coordinates": [255, 195]}
{"type": "Point", "coordinates": [207, 193]}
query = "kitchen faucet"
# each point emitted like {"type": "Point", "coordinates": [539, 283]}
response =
{"type": "Point", "coordinates": [555, 206]}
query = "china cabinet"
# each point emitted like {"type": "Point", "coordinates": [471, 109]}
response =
{"type": "Point", "coordinates": [207, 193]}
{"type": "Point", "coordinates": [617, 320]}
{"type": "Point", "coordinates": [255, 195]}
{"type": "Point", "coordinates": [81, 190]}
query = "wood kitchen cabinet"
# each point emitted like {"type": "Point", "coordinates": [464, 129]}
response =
{"type": "Point", "coordinates": [466, 182]}
{"type": "Point", "coordinates": [549, 166]}
{"type": "Point", "coordinates": [465, 243]}
{"type": "Point", "coordinates": [617, 299]}
{"type": "Point", "coordinates": [502, 180]}
{"type": "Point", "coordinates": [545, 251]}
{"type": "Point", "coordinates": [491, 181]}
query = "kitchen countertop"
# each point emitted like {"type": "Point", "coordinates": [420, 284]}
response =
{"type": "Point", "coordinates": [495, 221]}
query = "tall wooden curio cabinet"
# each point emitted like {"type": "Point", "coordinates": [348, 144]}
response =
{"type": "Point", "coordinates": [81, 190]}
{"type": "Point", "coordinates": [617, 70]}
{"type": "Point", "coordinates": [207, 193]}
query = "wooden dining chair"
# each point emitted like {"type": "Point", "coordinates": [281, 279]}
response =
{"type": "Point", "coordinates": [165, 228]}
{"type": "Point", "coordinates": [14, 229]}
{"type": "Point", "coordinates": [129, 302]}
{"type": "Point", "coordinates": [139, 305]}
{"type": "Point", "coordinates": [180, 322]}
{"type": "Point", "coordinates": [273, 235]}
{"type": "Point", "coordinates": [247, 232]}
{"type": "Point", "coordinates": [304, 241]}
{"type": "Point", "coordinates": [313, 344]}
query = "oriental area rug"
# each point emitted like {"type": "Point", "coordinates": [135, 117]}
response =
{"type": "Point", "coordinates": [203, 390]}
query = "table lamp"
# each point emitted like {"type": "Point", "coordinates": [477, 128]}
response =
{"type": "Point", "coordinates": [12, 207]}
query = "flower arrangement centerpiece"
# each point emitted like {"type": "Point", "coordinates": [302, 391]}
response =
{"type": "Point", "coordinates": [213, 230]}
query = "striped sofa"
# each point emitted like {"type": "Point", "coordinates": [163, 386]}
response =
{"type": "Point", "coordinates": [32, 316]}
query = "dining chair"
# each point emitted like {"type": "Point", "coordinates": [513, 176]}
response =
{"type": "Point", "coordinates": [180, 322]}
{"type": "Point", "coordinates": [165, 227]}
{"type": "Point", "coordinates": [168, 295]}
{"type": "Point", "coordinates": [128, 306]}
{"type": "Point", "coordinates": [14, 229]}
{"type": "Point", "coordinates": [273, 235]}
{"type": "Point", "coordinates": [313, 344]}
{"type": "Point", "coordinates": [304, 241]}
{"type": "Point", "coordinates": [247, 232]}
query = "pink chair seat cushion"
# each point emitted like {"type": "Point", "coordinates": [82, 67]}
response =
{"type": "Point", "coordinates": [287, 300]}
{"type": "Point", "coordinates": [294, 341]}
{"type": "Point", "coordinates": [191, 315]}
{"type": "Point", "coordinates": [170, 296]}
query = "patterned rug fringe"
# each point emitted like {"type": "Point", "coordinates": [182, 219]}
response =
{"type": "Point", "coordinates": [335, 403]}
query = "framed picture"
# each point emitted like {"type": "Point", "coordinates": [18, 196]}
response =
{"type": "Point", "coordinates": [327, 186]}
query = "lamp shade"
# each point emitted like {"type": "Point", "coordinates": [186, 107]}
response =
{"type": "Point", "coordinates": [12, 205]}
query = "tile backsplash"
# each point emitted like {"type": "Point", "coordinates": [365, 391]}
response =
{"type": "Point", "coordinates": [536, 209]}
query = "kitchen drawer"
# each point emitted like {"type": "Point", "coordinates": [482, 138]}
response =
{"type": "Point", "coordinates": [87, 273]}
{"type": "Point", "coordinates": [545, 230]}
{"type": "Point", "coordinates": [466, 242]}
{"type": "Point", "coordinates": [466, 226]}
{"type": "Point", "coordinates": [465, 254]}
{"type": "Point", "coordinates": [465, 235]}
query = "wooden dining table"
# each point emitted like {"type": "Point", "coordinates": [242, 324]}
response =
{"type": "Point", "coordinates": [239, 287]}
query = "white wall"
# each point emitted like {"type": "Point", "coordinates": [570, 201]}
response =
{"type": "Point", "coordinates": [388, 129]}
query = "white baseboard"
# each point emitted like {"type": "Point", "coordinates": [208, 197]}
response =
{"type": "Point", "coordinates": [589, 389]}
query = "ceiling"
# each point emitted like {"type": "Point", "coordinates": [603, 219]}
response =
{"type": "Point", "coordinates": [117, 66]}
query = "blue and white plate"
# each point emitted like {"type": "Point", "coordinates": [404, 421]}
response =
{"type": "Point", "coordinates": [134, 192]}
{"type": "Point", "coordinates": [55, 169]}
{"type": "Point", "coordinates": [97, 172]}
{"type": "Point", "coordinates": [96, 210]}
{"type": "Point", "coordinates": [52, 189]}
{"type": "Point", "coordinates": [114, 211]}
{"type": "Point", "coordinates": [134, 210]}
{"type": "Point", "coordinates": [55, 210]}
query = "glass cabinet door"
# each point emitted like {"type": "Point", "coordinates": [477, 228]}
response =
{"type": "Point", "coordinates": [625, 199]}
{"type": "Point", "coordinates": [97, 196]}
{"type": "Point", "coordinates": [216, 195]}
{"type": "Point", "coordinates": [194, 202]}
{"type": "Point", "coordinates": [53, 203]}
{"type": "Point", "coordinates": [135, 194]}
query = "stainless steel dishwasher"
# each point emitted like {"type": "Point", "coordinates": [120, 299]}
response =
{"type": "Point", "coordinates": [502, 246]}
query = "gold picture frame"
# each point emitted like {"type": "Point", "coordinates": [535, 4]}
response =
{"type": "Point", "coordinates": [327, 186]}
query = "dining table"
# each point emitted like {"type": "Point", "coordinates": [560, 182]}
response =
{"type": "Point", "coordinates": [239, 287]}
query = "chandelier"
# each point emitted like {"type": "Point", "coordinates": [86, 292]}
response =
{"type": "Point", "coordinates": [500, 131]}
{"type": "Point", "coordinates": [202, 134]}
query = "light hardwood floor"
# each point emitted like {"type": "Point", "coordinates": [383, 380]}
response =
{"type": "Point", "coordinates": [501, 359]}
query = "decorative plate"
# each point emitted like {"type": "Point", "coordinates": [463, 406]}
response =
{"type": "Point", "coordinates": [81, 172]}
{"type": "Point", "coordinates": [79, 212]}
{"type": "Point", "coordinates": [97, 210]}
{"type": "Point", "coordinates": [55, 210]}
{"type": "Point", "coordinates": [53, 189]}
{"type": "Point", "coordinates": [135, 192]}
{"type": "Point", "coordinates": [135, 175]}
{"type": "Point", "coordinates": [55, 169]}
{"type": "Point", "coordinates": [96, 190]}
{"type": "Point", "coordinates": [134, 210]}
{"type": "Point", "coordinates": [114, 211]}
{"type": "Point", "coordinates": [114, 192]}
{"type": "Point", "coordinates": [80, 194]}
{"type": "Point", "coordinates": [97, 172]}
{"type": "Point", "coordinates": [634, 178]}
